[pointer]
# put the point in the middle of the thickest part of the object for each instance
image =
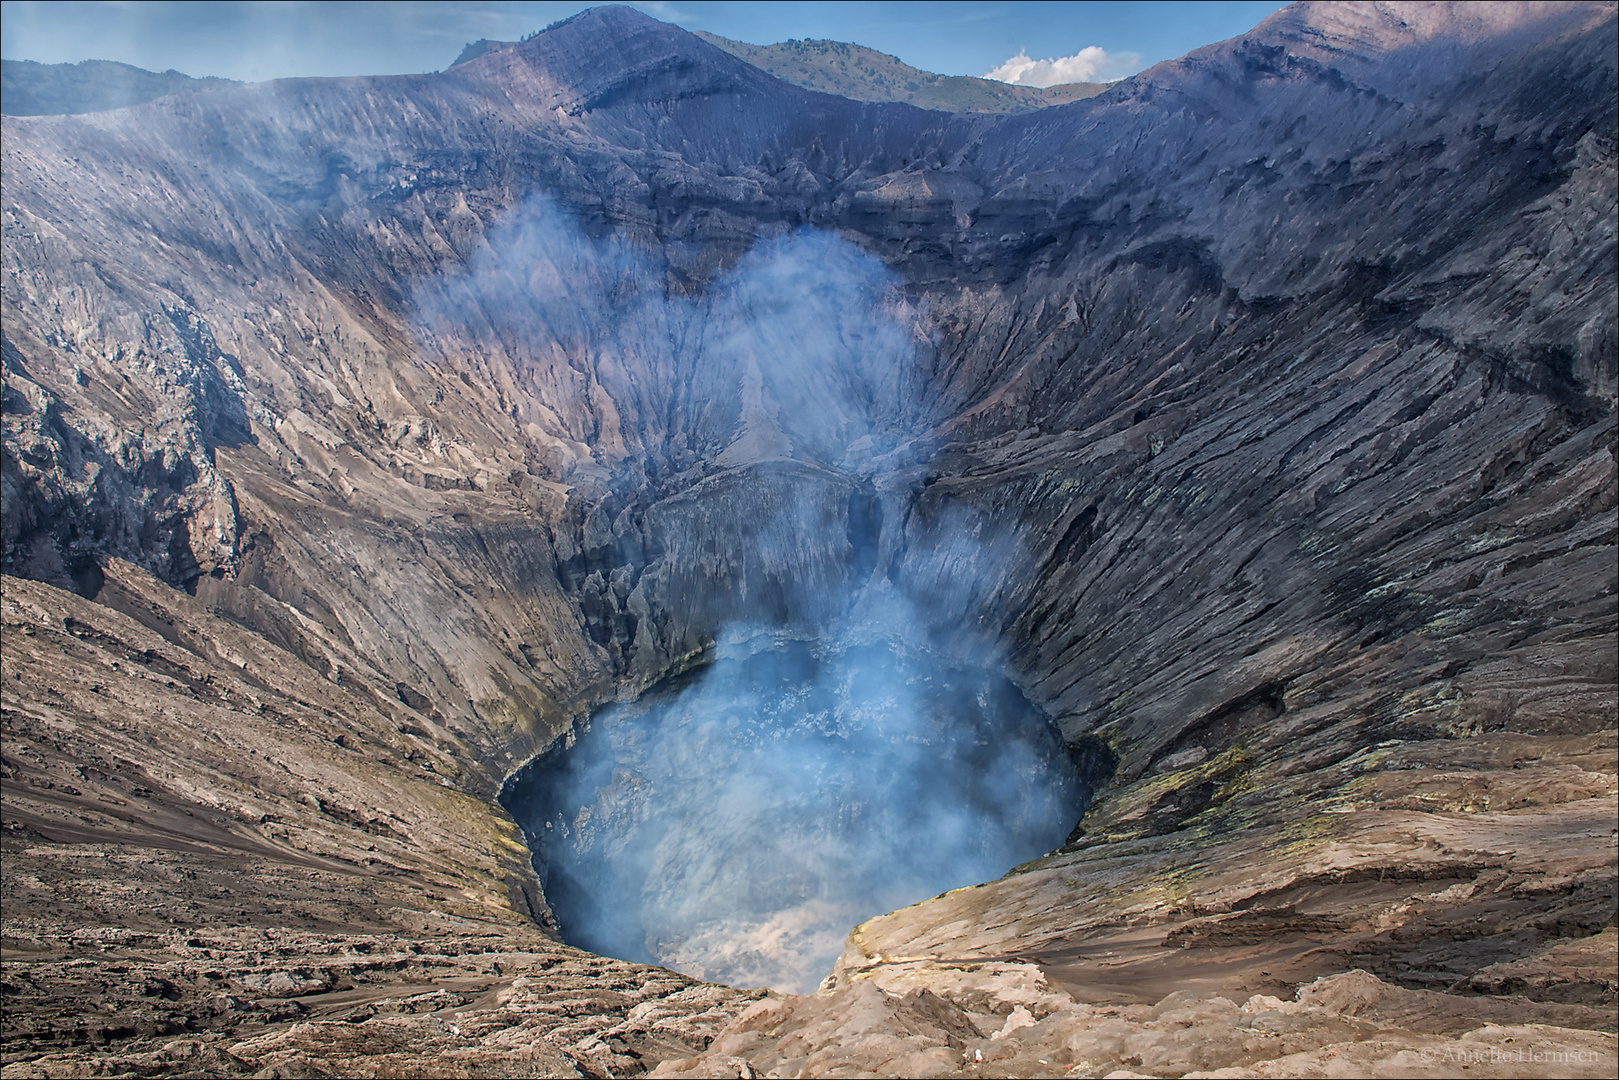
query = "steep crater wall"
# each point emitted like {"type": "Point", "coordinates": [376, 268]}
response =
{"type": "Point", "coordinates": [1274, 389]}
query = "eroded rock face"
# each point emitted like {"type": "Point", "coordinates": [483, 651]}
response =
{"type": "Point", "coordinates": [393, 423]}
{"type": "Point", "coordinates": [1005, 1020]}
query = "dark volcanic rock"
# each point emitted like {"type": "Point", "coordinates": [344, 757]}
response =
{"type": "Point", "coordinates": [1274, 386]}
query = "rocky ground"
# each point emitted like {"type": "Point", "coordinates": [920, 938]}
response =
{"type": "Point", "coordinates": [322, 899]}
{"type": "Point", "coordinates": [362, 435]}
{"type": "Point", "coordinates": [1423, 921]}
{"type": "Point", "coordinates": [1439, 907]}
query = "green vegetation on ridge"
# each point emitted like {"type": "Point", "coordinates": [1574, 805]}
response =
{"type": "Point", "coordinates": [854, 71]}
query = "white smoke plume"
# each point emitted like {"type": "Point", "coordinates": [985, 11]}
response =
{"type": "Point", "coordinates": [797, 351]}
{"type": "Point", "coordinates": [736, 827]}
{"type": "Point", "coordinates": [853, 746]}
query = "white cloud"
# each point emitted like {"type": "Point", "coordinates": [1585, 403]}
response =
{"type": "Point", "coordinates": [1090, 64]}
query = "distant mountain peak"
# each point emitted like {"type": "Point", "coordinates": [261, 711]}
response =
{"type": "Point", "coordinates": [840, 68]}
{"type": "Point", "coordinates": [1401, 47]}
{"type": "Point", "coordinates": [864, 74]}
{"type": "Point", "coordinates": [611, 55]}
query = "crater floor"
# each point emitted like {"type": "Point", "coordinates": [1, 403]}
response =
{"type": "Point", "coordinates": [735, 827]}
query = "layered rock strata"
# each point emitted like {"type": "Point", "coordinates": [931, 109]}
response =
{"type": "Point", "coordinates": [1275, 386]}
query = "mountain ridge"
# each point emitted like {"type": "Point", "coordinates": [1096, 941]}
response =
{"type": "Point", "coordinates": [854, 71]}
{"type": "Point", "coordinates": [874, 76]}
{"type": "Point", "coordinates": [34, 89]}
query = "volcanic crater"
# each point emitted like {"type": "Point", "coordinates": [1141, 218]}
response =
{"type": "Point", "coordinates": [1165, 539]}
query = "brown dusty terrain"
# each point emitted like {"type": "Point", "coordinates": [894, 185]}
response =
{"type": "Point", "coordinates": [1355, 942]}
{"type": "Point", "coordinates": [229, 929]}
{"type": "Point", "coordinates": [257, 915]}
{"type": "Point", "coordinates": [160, 922]}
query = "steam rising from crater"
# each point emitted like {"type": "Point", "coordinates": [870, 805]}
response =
{"type": "Point", "coordinates": [852, 747]}
{"type": "Point", "coordinates": [737, 825]}
{"type": "Point", "coordinates": [803, 347]}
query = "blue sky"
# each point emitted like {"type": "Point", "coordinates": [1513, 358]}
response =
{"type": "Point", "coordinates": [265, 40]}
